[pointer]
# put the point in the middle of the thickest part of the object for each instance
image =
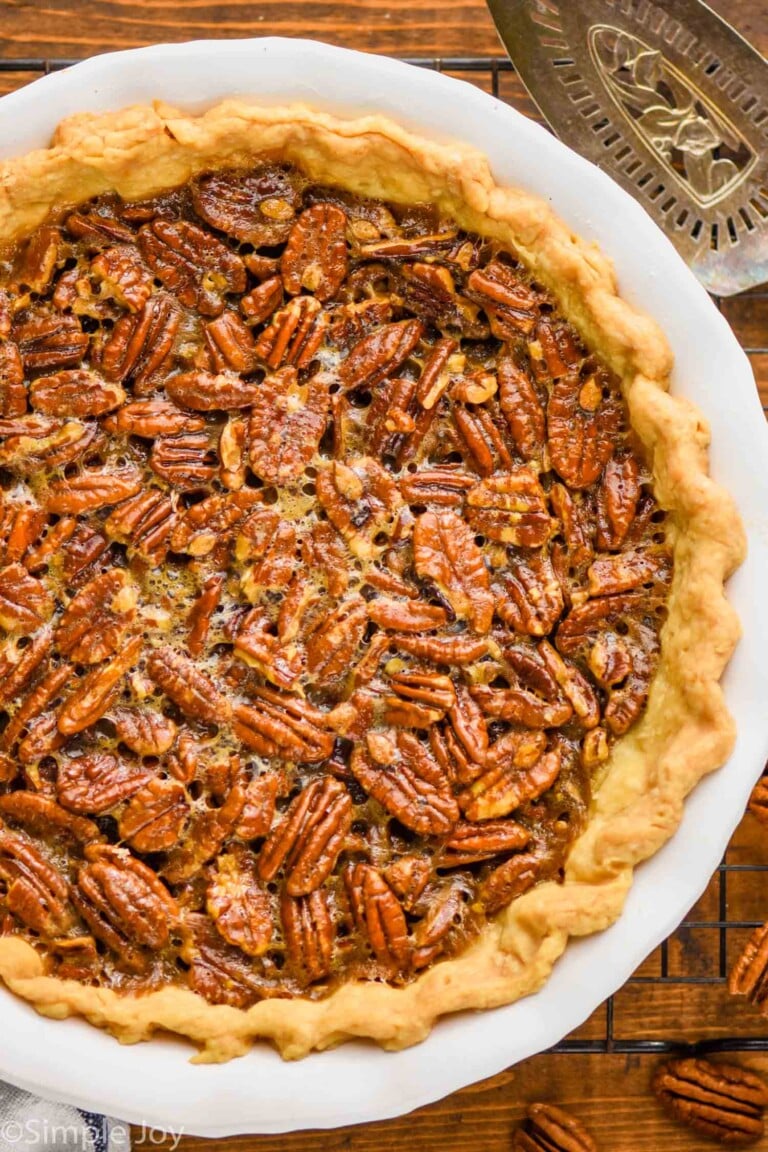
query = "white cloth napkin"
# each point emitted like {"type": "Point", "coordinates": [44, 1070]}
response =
{"type": "Point", "coordinates": [28, 1123]}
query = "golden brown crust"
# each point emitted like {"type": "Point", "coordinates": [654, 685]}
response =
{"type": "Point", "coordinates": [686, 731]}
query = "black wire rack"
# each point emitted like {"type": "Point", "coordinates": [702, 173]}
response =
{"type": "Point", "coordinates": [712, 954]}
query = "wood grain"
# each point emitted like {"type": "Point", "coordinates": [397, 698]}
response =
{"type": "Point", "coordinates": [608, 1091]}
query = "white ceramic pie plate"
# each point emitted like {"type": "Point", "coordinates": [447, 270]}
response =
{"type": "Point", "coordinates": [154, 1083]}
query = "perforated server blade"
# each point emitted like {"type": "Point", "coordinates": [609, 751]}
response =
{"type": "Point", "coordinates": [672, 102]}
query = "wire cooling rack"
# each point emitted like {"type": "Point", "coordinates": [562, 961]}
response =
{"type": "Point", "coordinates": [700, 951]}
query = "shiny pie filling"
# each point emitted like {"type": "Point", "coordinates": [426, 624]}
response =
{"type": "Point", "coordinates": [331, 571]}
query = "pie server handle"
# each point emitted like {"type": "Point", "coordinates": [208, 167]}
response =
{"type": "Point", "coordinates": [672, 103]}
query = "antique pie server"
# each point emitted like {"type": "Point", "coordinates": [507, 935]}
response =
{"type": "Point", "coordinates": [669, 100]}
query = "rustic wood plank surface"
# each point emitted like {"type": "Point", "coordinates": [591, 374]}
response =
{"type": "Point", "coordinates": [609, 1091]}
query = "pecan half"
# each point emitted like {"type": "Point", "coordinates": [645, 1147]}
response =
{"type": "Point", "coordinates": [617, 501]}
{"type": "Point", "coordinates": [722, 1101]}
{"type": "Point", "coordinates": [511, 306]}
{"type": "Point", "coordinates": [192, 263]}
{"type": "Point", "coordinates": [187, 462]}
{"type": "Point", "coordinates": [124, 904]}
{"type": "Point", "coordinates": [154, 819]}
{"type": "Point", "coordinates": [145, 732]}
{"type": "Point", "coordinates": [582, 426]}
{"type": "Point", "coordinates": [270, 543]}
{"type": "Point", "coordinates": [25, 603]}
{"type": "Point", "coordinates": [286, 424]}
{"type": "Point", "coordinates": [140, 345]}
{"type": "Point", "coordinates": [43, 815]}
{"type": "Point", "coordinates": [231, 344]}
{"type": "Point", "coordinates": [255, 207]}
{"type": "Point", "coordinates": [13, 394]}
{"type": "Point", "coordinates": [90, 785]}
{"type": "Point", "coordinates": [406, 615]}
{"type": "Point", "coordinates": [445, 552]}
{"type": "Point", "coordinates": [144, 523]}
{"type": "Point", "coordinates": [239, 905]}
{"type": "Point", "coordinates": [510, 779]}
{"type": "Point", "coordinates": [362, 502]}
{"type": "Point", "coordinates": [309, 931]}
{"type": "Point", "coordinates": [470, 842]}
{"type": "Point", "coordinates": [315, 256]}
{"type": "Point", "coordinates": [380, 354]}
{"type": "Point", "coordinates": [75, 392]}
{"type": "Point", "coordinates": [307, 843]}
{"type": "Point", "coordinates": [97, 691]}
{"type": "Point", "coordinates": [213, 521]}
{"type": "Point", "coordinates": [294, 334]}
{"type": "Point", "coordinates": [511, 879]}
{"type": "Point", "coordinates": [189, 688]}
{"type": "Point", "coordinates": [331, 648]}
{"type": "Point", "coordinates": [206, 392]}
{"type": "Point", "coordinates": [282, 725]}
{"type": "Point", "coordinates": [398, 771]}
{"type": "Point", "coordinates": [123, 275]}
{"type": "Point", "coordinates": [749, 975]}
{"type": "Point", "coordinates": [510, 507]}
{"type": "Point", "coordinates": [35, 890]}
{"type": "Point", "coordinates": [96, 619]}
{"type": "Point", "coordinates": [530, 596]}
{"type": "Point", "coordinates": [378, 915]}
{"type": "Point", "coordinates": [522, 408]}
{"type": "Point", "coordinates": [47, 343]}
{"type": "Point", "coordinates": [457, 649]}
{"type": "Point", "coordinates": [445, 486]}
{"type": "Point", "coordinates": [550, 1129]}
{"type": "Point", "coordinates": [93, 489]}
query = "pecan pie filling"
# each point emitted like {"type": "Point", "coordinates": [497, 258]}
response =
{"type": "Point", "coordinates": [331, 571]}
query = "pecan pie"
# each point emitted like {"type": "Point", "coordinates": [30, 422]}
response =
{"type": "Point", "coordinates": [360, 584]}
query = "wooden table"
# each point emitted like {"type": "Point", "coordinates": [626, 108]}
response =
{"type": "Point", "coordinates": [608, 1089]}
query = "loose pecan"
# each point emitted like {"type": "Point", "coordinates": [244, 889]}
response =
{"type": "Point", "coordinates": [308, 930]}
{"type": "Point", "coordinates": [362, 502]}
{"type": "Point", "coordinates": [255, 207]}
{"type": "Point", "coordinates": [380, 354]}
{"type": "Point", "coordinates": [239, 905]}
{"type": "Point", "coordinates": [25, 603]}
{"type": "Point", "coordinates": [445, 552]}
{"type": "Point", "coordinates": [277, 724]}
{"type": "Point", "coordinates": [749, 975]}
{"type": "Point", "coordinates": [286, 424]}
{"type": "Point", "coordinates": [378, 915]}
{"type": "Point", "coordinates": [47, 343]}
{"type": "Point", "coordinates": [189, 688]}
{"type": "Point", "coordinates": [758, 801]}
{"type": "Point", "coordinates": [192, 263]}
{"type": "Point", "coordinates": [315, 256]}
{"type": "Point", "coordinates": [90, 785]}
{"type": "Point", "coordinates": [722, 1101]}
{"type": "Point", "coordinates": [98, 690]}
{"type": "Point", "coordinates": [510, 507]}
{"type": "Point", "coordinates": [398, 771]}
{"type": "Point", "coordinates": [75, 392]}
{"type": "Point", "coordinates": [307, 843]}
{"type": "Point", "coordinates": [522, 408]}
{"type": "Point", "coordinates": [294, 335]}
{"type": "Point", "coordinates": [124, 904]}
{"type": "Point", "coordinates": [582, 426]}
{"type": "Point", "coordinates": [550, 1129]}
{"type": "Point", "coordinates": [96, 619]}
{"type": "Point", "coordinates": [122, 274]}
{"type": "Point", "coordinates": [140, 345]}
{"type": "Point", "coordinates": [93, 489]}
{"type": "Point", "coordinates": [331, 647]}
{"type": "Point", "coordinates": [35, 890]}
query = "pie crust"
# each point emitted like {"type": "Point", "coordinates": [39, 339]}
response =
{"type": "Point", "coordinates": [686, 730]}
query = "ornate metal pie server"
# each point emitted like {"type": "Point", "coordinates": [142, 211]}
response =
{"type": "Point", "coordinates": [672, 102]}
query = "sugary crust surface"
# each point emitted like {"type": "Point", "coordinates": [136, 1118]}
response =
{"type": "Point", "coordinates": [686, 730]}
